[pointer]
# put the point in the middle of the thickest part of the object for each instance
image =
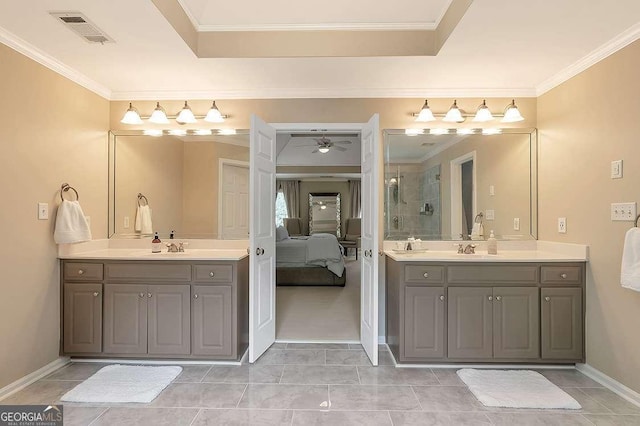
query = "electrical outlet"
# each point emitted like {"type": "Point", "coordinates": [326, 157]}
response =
{"type": "Point", "coordinates": [492, 190]}
{"type": "Point", "coordinates": [126, 222]}
{"type": "Point", "coordinates": [623, 212]}
{"type": "Point", "coordinates": [616, 169]}
{"type": "Point", "coordinates": [516, 223]}
{"type": "Point", "coordinates": [490, 214]}
{"type": "Point", "coordinates": [43, 211]}
{"type": "Point", "coordinates": [562, 225]}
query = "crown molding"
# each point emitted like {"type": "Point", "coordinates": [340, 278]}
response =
{"type": "Point", "coordinates": [27, 49]}
{"type": "Point", "coordinates": [612, 46]}
{"type": "Point", "coordinates": [353, 26]}
{"type": "Point", "coordinates": [317, 93]}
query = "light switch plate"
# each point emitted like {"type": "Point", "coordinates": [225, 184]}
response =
{"type": "Point", "coordinates": [43, 211]}
{"type": "Point", "coordinates": [126, 222]}
{"type": "Point", "coordinates": [562, 225]}
{"type": "Point", "coordinates": [516, 223]}
{"type": "Point", "coordinates": [623, 212]}
{"type": "Point", "coordinates": [490, 214]}
{"type": "Point", "coordinates": [492, 190]}
{"type": "Point", "coordinates": [616, 169]}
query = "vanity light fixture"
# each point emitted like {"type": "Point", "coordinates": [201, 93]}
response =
{"type": "Point", "coordinates": [159, 116]}
{"type": "Point", "coordinates": [227, 132]}
{"type": "Point", "coordinates": [185, 116]}
{"type": "Point", "coordinates": [425, 114]}
{"type": "Point", "coordinates": [214, 115]}
{"type": "Point", "coordinates": [438, 131]}
{"type": "Point", "coordinates": [512, 113]}
{"type": "Point", "coordinates": [131, 116]}
{"type": "Point", "coordinates": [414, 132]}
{"type": "Point", "coordinates": [483, 113]}
{"type": "Point", "coordinates": [177, 132]}
{"type": "Point", "coordinates": [465, 131]}
{"type": "Point", "coordinates": [454, 115]}
{"type": "Point", "coordinates": [153, 132]}
{"type": "Point", "coordinates": [323, 149]}
{"type": "Point", "coordinates": [202, 132]}
{"type": "Point", "coordinates": [488, 132]}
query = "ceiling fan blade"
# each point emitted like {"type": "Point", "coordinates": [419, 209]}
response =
{"type": "Point", "coordinates": [343, 142]}
{"type": "Point", "coordinates": [339, 148]}
{"type": "Point", "coordinates": [314, 151]}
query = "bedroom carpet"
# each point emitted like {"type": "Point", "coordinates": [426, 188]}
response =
{"type": "Point", "coordinates": [320, 312]}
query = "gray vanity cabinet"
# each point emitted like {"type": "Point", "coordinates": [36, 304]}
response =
{"type": "Point", "coordinates": [470, 322]}
{"type": "Point", "coordinates": [562, 323]}
{"type": "Point", "coordinates": [125, 318]}
{"type": "Point", "coordinates": [169, 320]}
{"type": "Point", "coordinates": [516, 322]}
{"type": "Point", "coordinates": [424, 324]}
{"type": "Point", "coordinates": [82, 317]}
{"type": "Point", "coordinates": [212, 320]}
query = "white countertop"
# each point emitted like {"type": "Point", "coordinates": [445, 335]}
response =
{"type": "Point", "coordinates": [145, 254]}
{"type": "Point", "coordinates": [503, 256]}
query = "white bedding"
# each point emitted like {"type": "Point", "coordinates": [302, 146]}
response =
{"type": "Point", "coordinates": [315, 250]}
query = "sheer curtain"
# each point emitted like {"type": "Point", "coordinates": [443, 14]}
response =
{"type": "Point", "coordinates": [291, 191]}
{"type": "Point", "coordinates": [354, 198]}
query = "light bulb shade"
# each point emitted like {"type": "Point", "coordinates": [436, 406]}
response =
{"type": "Point", "coordinates": [153, 132]}
{"type": "Point", "coordinates": [158, 116]}
{"type": "Point", "coordinates": [186, 115]}
{"type": "Point", "coordinates": [464, 131]}
{"type": "Point", "coordinates": [454, 115]}
{"type": "Point", "coordinates": [214, 115]}
{"type": "Point", "coordinates": [323, 149]}
{"type": "Point", "coordinates": [425, 114]}
{"type": "Point", "coordinates": [438, 131]}
{"type": "Point", "coordinates": [131, 116]}
{"type": "Point", "coordinates": [483, 113]}
{"type": "Point", "coordinates": [512, 113]}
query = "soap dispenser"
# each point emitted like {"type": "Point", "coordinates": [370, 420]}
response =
{"type": "Point", "coordinates": [156, 244]}
{"type": "Point", "coordinates": [492, 244]}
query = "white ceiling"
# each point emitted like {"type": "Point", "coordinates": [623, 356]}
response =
{"type": "Point", "coordinates": [499, 48]}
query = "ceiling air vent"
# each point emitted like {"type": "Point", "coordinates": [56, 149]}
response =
{"type": "Point", "coordinates": [79, 24]}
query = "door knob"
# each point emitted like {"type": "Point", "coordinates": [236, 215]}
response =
{"type": "Point", "coordinates": [441, 297]}
{"type": "Point", "coordinates": [261, 251]}
{"type": "Point", "coordinates": [149, 295]}
{"type": "Point", "coordinates": [195, 296]}
{"type": "Point", "coordinates": [563, 276]}
{"type": "Point", "coordinates": [95, 294]}
{"type": "Point", "coordinates": [258, 251]}
{"type": "Point", "coordinates": [498, 298]}
{"type": "Point", "coordinates": [426, 275]}
{"type": "Point", "coordinates": [212, 274]}
{"type": "Point", "coordinates": [490, 298]}
{"type": "Point", "coordinates": [547, 299]}
{"type": "Point", "coordinates": [141, 295]}
{"type": "Point", "coordinates": [80, 271]}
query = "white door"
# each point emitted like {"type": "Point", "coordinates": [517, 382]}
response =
{"type": "Point", "coordinates": [369, 242]}
{"type": "Point", "coordinates": [262, 246]}
{"type": "Point", "coordinates": [234, 200]}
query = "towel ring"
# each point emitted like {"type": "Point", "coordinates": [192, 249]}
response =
{"type": "Point", "coordinates": [478, 218]}
{"type": "Point", "coordinates": [142, 197]}
{"type": "Point", "coordinates": [637, 218]}
{"type": "Point", "coordinates": [65, 188]}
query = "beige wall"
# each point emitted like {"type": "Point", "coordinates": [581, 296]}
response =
{"type": "Point", "coordinates": [151, 166]}
{"type": "Point", "coordinates": [584, 124]}
{"type": "Point", "coordinates": [314, 186]}
{"type": "Point", "coordinates": [51, 131]}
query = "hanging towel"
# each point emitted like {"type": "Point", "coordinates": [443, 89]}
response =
{"type": "Point", "coordinates": [71, 225]}
{"type": "Point", "coordinates": [143, 220]}
{"type": "Point", "coordinates": [630, 271]}
{"type": "Point", "coordinates": [477, 232]}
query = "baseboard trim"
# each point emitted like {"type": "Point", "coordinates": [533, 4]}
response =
{"type": "Point", "coordinates": [25, 381]}
{"type": "Point", "coordinates": [155, 361]}
{"type": "Point", "coordinates": [610, 383]}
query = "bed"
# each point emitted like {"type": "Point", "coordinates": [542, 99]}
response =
{"type": "Point", "coordinates": [312, 260]}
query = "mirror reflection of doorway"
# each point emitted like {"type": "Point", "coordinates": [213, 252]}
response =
{"type": "Point", "coordinates": [466, 170]}
{"type": "Point", "coordinates": [463, 195]}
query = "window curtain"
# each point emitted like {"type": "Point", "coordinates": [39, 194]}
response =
{"type": "Point", "coordinates": [291, 191]}
{"type": "Point", "coordinates": [355, 198]}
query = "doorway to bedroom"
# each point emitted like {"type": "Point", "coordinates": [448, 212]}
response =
{"type": "Point", "coordinates": [317, 211]}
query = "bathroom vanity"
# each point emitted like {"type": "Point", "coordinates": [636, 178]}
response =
{"type": "Point", "coordinates": [524, 308]}
{"type": "Point", "coordinates": [132, 304]}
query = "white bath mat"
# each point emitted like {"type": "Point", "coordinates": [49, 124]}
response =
{"type": "Point", "coordinates": [123, 383]}
{"type": "Point", "coordinates": [516, 389]}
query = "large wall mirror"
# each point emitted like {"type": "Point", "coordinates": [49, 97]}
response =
{"type": "Point", "coordinates": [439, 183]}
{"type": "Point", "coordinates": [324, 213]}
{"type": "Point", "coordinates": [194, 184]}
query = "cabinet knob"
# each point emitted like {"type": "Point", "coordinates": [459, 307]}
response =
{"type": "Point", "coordinates": [563, 276]}
{"type": "Point", "coordinates": [426, 275]}
{"type": "Point", "coordinates": [149, 295]}
{"type": "Point", "coordinates": [95, 294]}
{"type": "Point", "coordinates": [211, 274]}
{"type": "Point", "coordinates": [80, 271]}
{"type": "Point", "coordinates": [547, 298]}
{"type": "Point", "coordinates": [441, 297]}
{"type": "Point", "coordinates": [490, 298]}
{"type": "Point", "coordinates": [141, 295]}
{"type": "Point", "coordinates": [195, 296]}
{"type": "Point", "coordinates": [498, 298]}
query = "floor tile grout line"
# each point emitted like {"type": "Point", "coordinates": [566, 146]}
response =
{"type": "Point", "coordinates": [587, 419]}
{"type": "Point", "coordinates": [281, 375]}
{"type": "Point", "coordinates": [390, 418]}
{"type": "Point", "coordinates": [206, 374]}
{"type": "Point", "coordinates": [358, 373]}
{"type": "Point", "coordinates": [416, 396]}
{"type": "Point", "coordinates": [242, 396]}
{"type": "Point", "coordinates": [99, 415]}
{"type": "Point", "coordinates": [195, 417]}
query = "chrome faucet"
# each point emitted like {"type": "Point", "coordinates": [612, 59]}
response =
{"type": "Point", "coordinates": [173, 248]}
{"type": "Point", "coordinates": [470, 249]}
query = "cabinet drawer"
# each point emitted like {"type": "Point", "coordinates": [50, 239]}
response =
{"type": "Point", "coordinates": [213, 273]}
{"type": "Point", "coordinates": [423, 274]}
{"type": "Point", "coordinates": [147, 272]}
{"type": "Point", "coordinates": [493, 274]}
{"type": "Point", "coordinates": [561, 274]}
{"type": "Point", "coordinates": [82, 271]}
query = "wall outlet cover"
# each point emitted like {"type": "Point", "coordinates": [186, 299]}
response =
{"type": "Point", "coordinates": [43, 211]}
{"type": "Point", "coordinates": [562, 225]}
{"type": "Point", "coordinates": [625, 212]}
{"type": "Point", "coordinates": [490, 214]}
{"type": "Point", "coordinates": [516, 223]}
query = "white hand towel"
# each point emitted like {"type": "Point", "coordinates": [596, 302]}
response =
{"type": "Point", "coordinates": [477, 232]}
{"type": "Point", "coordinates": [630, 271]}
{"type": "Point", "coordinates": [143, 220]}
{"type": "Point", "coordinates": [71, 225]}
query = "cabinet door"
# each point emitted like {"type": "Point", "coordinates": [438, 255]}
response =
{"type": "Point", "coordinates": [169, 319]}
{"type": "Point", "coordinates": [125, 319]}
{"type": "Point", "coordinates": [82, 318]}
{"type": "Point", "coordinates": [424, 322]}
{"type": "Point", "coordinates": [470, 325]}
{"type": "Point", "coordinates": [212, 320]}
{"type": "Point", "coordinates": [562, 323]}
{"type": "Point", "coordinates": [516, 322]}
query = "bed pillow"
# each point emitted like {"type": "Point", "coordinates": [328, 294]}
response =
{"type": "Point", "coordinates": [281, 233]}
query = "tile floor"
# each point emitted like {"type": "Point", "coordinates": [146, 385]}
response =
{"type": "Point", "coordinates": [317, 384]}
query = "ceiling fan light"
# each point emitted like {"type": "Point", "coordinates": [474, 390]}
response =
{"type": "Point", "coordinates": [323, 149]}
{"type": "Point", "coordinates": [214, 115]}
{"type": "Point", "coordinates": [131, 116]}
{"type": "Point", "coordinates": [512, 113]}
{"type": "Point", "coordinates": [425, 114]}
{"type": "Point", "coordinates": [158, 116]}
{"type": "Point", "coordinates": [483, 113]}
{"type": "Point", "coordinates": [454, 115]}
{"type": "Point", "coordinates": [186, 115]}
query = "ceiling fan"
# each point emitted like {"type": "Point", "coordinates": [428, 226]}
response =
{"type": "Point", "coordinates": [324, 144]}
